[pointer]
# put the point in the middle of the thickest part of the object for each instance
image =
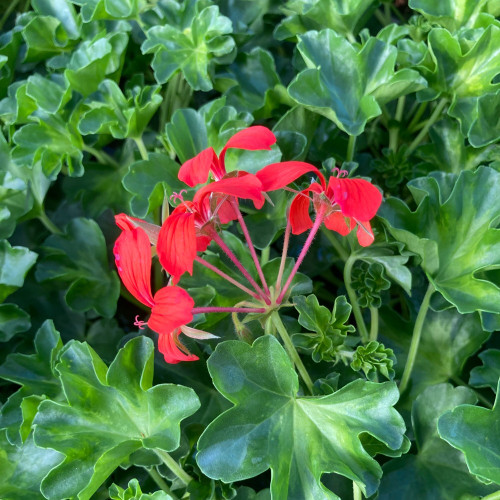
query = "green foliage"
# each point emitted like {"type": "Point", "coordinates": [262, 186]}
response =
{"type": "Point", "coordinates": [15, 262]}
{"type": "Point", "coordinates": [369, 282]}
{"type": "Point", "coordinates": [374, 358]}
{"type": "Point", "coordinates": [245, 375]}
{"type": "Point", "coordinates": [134, 492]}
{"type": "Point", "coordinates": [488, 374]}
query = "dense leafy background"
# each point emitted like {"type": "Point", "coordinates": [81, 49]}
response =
{"type": "Point", "coordinates": [101, 101]}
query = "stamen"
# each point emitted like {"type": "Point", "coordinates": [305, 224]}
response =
{"type": "Point", "coordinates": [139, 323]}
{"type": "Point", "coordinates": [343, 173]}
{"type": "Point", "coordinates": [178, 196]}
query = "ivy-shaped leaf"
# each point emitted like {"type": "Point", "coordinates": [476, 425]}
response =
{"type": "Point", "coordinates": [79, 259]}
{"type": "Point", "coordinates": [35, 373]}
{"type": "Point", "coordinates": [485, 129]}
{"type": "Point", "coordinates": [109, 414]}
{"type": "Point", "coordinates": [13, 320]}
{"type": "Point", "coordinates": [268, 424]}
{"type": "Point", "coordinates": [134, 492]}
{"type": "Point", "coordinates": [348, 85]}
{"type": "Point", "coordinates": [487, 375]}
{"type": "Point", "coordinates": [92, 10]}
{"type": "Point", "coordinates": [329, 327]}
{"type": "Point", "coordinates": [475, 432]}
{"type": "Point", "coordinates": [191, 46]}
{"type": "Point", "coordinates": [455, 255]}
{"type": "Point", "coordinates": [436, 470]}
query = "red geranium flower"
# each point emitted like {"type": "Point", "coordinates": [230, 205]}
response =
{"type": "Point", "coordinates": [171, 306]}
{"type": "Point", "coordinates": [345, 202]}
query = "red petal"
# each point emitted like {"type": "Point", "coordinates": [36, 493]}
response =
{"type": "Point", "coordinates": [172, 309]}
{"type": "Point", "coordinates": [126, 223]}
{"type": "Point", "coordinates": [356, 197]}
{"type": "Point", "coordinates": [299, 213]}
{"type": "Point", "coordinates": [168, 347]}
{"type": "Point", "coordinates": [365, 234]}
{"type": "Point", "coordinates": [246, 186]}
{"type": "Point", "coordinates": [252, 139]}
{"type": "Point", "coordinates": [177, 244]}
{"type": "Point", "coordinates": [195, 171]}
{"type": "Point", "coordinates": [278, 175]}
{"type": "Point", "coordinates": [132, 252]}
{"type": "Point", "coordinates": [339, 223]}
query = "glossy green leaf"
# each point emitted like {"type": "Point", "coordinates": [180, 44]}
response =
{"type": "Point", "coordinates": [348, 85]}
{"type": "Point", "coordinates": [13, 320]}
{"type": "Point", "coordinates": [374, 358]}
{"type": "Point", "coordinates": [485, 129]}
{"type": "Point", "coordinates": [35, 373]}
{"type": "Point", "coordinates": [151, 181]}
{"type": "Point", "coordinates": [190, 47]}
{"type": "Point", "coordinates": [454, 14]}
{"type": "Point", "coordinates": [134, 492]}
{"type": "Point", "coordinates": [62, 10]}
{"type": "Point", "coordinates": [15, 262]}
{"type": "Point", "coordinates": [10, 43]}
{"type": "Point", "coordinates": [122, 116]}
{"type": "Point", "coordinates": [488, 374]}
{"type": "Point", "coordinates": [92, 10]}
{"type": "Point", "coordinates": [100, 401]}
{"type": "Point", "coordinates": [344, 17]}
{"type": "Point", "coordinates": [267, 425]}
{"type": "Point", "coordinates": [78, 258]}
{"type": "Point", "coordinates": [48, 94]}
{"type": "Point", "coordinates": [23, 469]}
{"type": "Point", "coordinates": [17, 106]}
{"type": "Point", "coordinates": [436, 470]}
{"type": "Point", "coordinates": [474, 431]}
{"type": "Point", "coordinates": [453, 253]}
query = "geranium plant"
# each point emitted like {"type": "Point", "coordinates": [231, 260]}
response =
{"type": "Point", "coordinates": [249, 249]}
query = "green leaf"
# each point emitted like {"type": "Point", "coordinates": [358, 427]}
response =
{"type": "Point", "coordinates": [79, 259]}
{"type": "Point", "coordinates": [15, 262]}
{"type": "Point", "coordinates": [485, 129]}
{"type": "Point", "coordinates": [17, 106]}
{"type": "Point", "coordinates": [100, 401]}
{"type": "Point", "coordinates": [348, 85]}
{"type": "Point", "coordinates": [267, 425]}
{"type": "Point", "coordinates": [62, 10]}
{"type": "Point", "coordinates": [134, 492]}
{"type": "Point", "coordinates": [369, 281]}
{"type": "Point", "coordinates": [191, 47]}
{"type": "Point", "coordinates": [374, 358]}
{"type": "Point", "coordinates": [23, 469]}
{"type": "Point", "coordinates": [48, 94]}
{"type": "Point", "coordinates": [436, 470]}
{"type": "Point", "coordinates": [150, 182]}
{"type": "Point", "coordinates": [454, 14]}
{"type": "Point", "coordinates": [122, 116]}
{"type": "Point", "coordinates": [487, 375]}
{"type": "Point", "coordinates": [474, 431]}
{"type": "Point", "coordinates": [13, 320]}
{"type": "Point", "coordinates": [92, 10]}
{"type": "Point", "coordinates": [35, 373]}
{"type": "Point", "coordinates": [344, 17]}
{"type": "Point", "coordinates": [455, 251]}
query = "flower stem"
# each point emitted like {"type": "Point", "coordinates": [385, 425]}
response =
{"type": "Point", "coordinates": [286, 241]}
{"type": "Point", "coordinates": [264, 256]}
{"type": "Point", "coordinates": [42, 217]}
{"type": "Point", "coordinates": [240, 266]}
{"type": "Point", "coordinates": [142, 148]}
{"type": "Point", "coordinates": [248, 239]}
{"type": "Point", "coordinates": [160, 482]}
{"type": "Point", "coordinates": [433, 118]}
{"type": "Point", "coordinates": [356, 492]}
{"type": "Point", "coordinates": [292, 352]}
{"type": "Point", "coordinates": [335, 244]}
{"type": "Point", "coordinates": [374, 323]}
{"type": "Point", "coordinates": [222, 274]}
{"type": "Point", "coordinates": [101, 156]}
{"type": "Point", "coordinates": [174, 466]}
{"type": "Point", "coordinates": [303, 253]}
{"type": "Point", "coordinates": [479, 396]}
{"type": "Point", "coordinates": [351, 147]}
{"type": "Point", "coordinates": [202, 310]}
{"type": "Point", "coordinates": [354, 299]}
{"type": "Point", "coordinates": [394, 131]}
{"type": "Point", "coordinates": [415, 340]}
{"type": "Point", "coordinates": [418, 114]}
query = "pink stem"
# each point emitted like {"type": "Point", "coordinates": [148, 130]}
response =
{"type": "Point", "coordinates": [239, 265]}
{"type": "Point", "coordinates": [303, 252]}
{"type": "Point", "coordinates": [222, 274]}
{"type": "Point", "coordinates": [286, 241]}
{"type": "Point", "coordinates": [200, 310]}
{"type": "Point", "coordinates": [250, 246]}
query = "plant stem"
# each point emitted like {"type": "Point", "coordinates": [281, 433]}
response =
{"type": "Point", "coordinates": [174, 466]}
{"type": "Point", "coordinates": [142, 148]}
{"type": "Point", "coordinates": [303, 253]}
{"type": "Point", "coordinates": [101, 156]}
{"type": "Point", "coordinates": [335, 244]}
{"type": "Point", "coordinates": [420, 137]}
{"type": "Point", "coordinates": [374, 323]}
{"type": "Point", "coordinates": [418, 114]}
{"type": "Point", "coordinates": [248, 239]}
{"type": "Point", "coordinates": [42, 216]}
{"type": "Point", "coordinates": [7, 12]}
{"type": "Point", "coordinates": [356, 492]}
{"type": "Point", "coordinates": [286, 242]}
{"type": "Point", "coordinates": [202, 310]}
{"type": "Point", "coordinates": [394, 131]}
{"type": "Point", "coordinates": [239, 265]}
{"type": "Point", "coordinates": [415, 340]}
{"type": "Point", "coordinates": [354, 299]}
{"type": "Point", "coordinates": [222, 274]}
{"type": "Point", "coordinates": [480, 397]}
{"type": "Point", "coordinates": [292, 352]}
{"type": "Point", "coordinates": [351, 147]}
{"type": "Point", "coordinates": [160, 482]}
{"type": "Point", "coordinates": [492, 496]}
{"type": "Point", "coordinates": [264, 256]}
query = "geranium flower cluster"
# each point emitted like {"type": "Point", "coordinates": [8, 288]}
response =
{"type": "Point", "coordinates": [341, 204]}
